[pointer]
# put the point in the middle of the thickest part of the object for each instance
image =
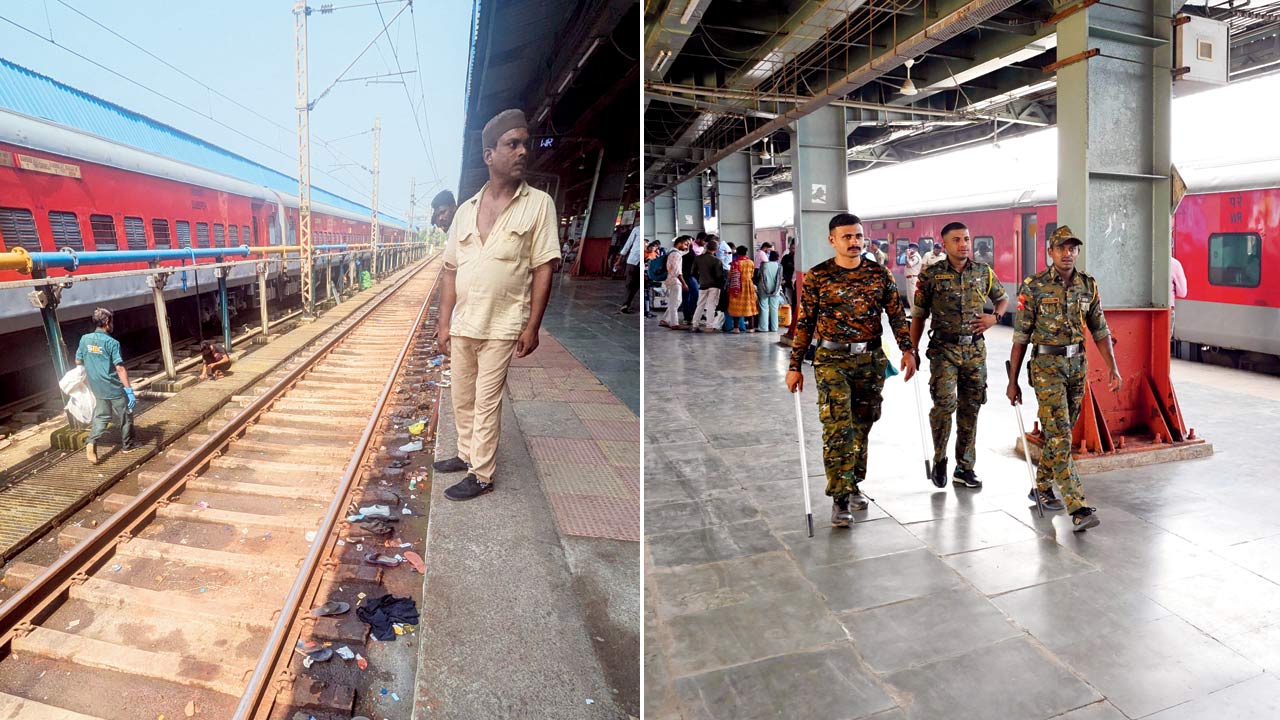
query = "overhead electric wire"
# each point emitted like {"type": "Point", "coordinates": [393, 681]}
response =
{"type": "Point", "coordinates": [365, 194]}
{"type": "Point", "coordinates": [413, 108]}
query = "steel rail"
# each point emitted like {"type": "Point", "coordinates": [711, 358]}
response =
{"type": "Point", "coordinates": [259, 695]}
{"type": "Point", "coordinates": [18, 614]}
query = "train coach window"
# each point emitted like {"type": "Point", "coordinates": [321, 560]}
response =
{"type": "Point", "coordinates": [160, 231]}
{"type": "Point", "coordinates": [66, 230]}
{"type": "Point", "coordinates": [219, 236]}
{"type": "Point", "coordinates": [18, 229]}
{"type": "Point", "coordinates": [984, 249]}
{"type": "Point", "coordinates": [901, 250]}
{"type": "Point", "coordinates": [202, 235]}
{"type": "Point", "coordinates": [1235, 259]}
{"type": "Point", "coordinates": [244, 233]}
{"type": "Point", "coordinates": [926, 245]}
{"type": "Point", "coordinates": [135, 233]}
{"type": "Point", "coordinates": [104, 232]}
{"type": "Point", "coordinates": [183, 228]}
{"type": "Point", "coordinates": [235, 236]}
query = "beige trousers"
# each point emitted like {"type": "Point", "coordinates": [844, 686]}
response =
{"type": "Point", "coordinates": [479, 376]}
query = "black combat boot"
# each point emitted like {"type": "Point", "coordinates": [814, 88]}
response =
{"type": "Point", "coordinates": [940, 473]}
{"type": "Point", "coordinates": [840, 515]}
{"type": "Point", "coordinates": [966, 478]}
{"type": "Point", "coordinates": [1083, 519]}
{"type": "Point", "coordinates": [469, 488]}
{"type": "Point", "coordinates": [1047, 499]}
{"type": "Point", "coordinates": [857, 501]}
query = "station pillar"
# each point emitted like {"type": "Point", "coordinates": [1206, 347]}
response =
{"type": "Point", "coordinates": [650, 232]}
{"type": "Point", "coordinates": [689, 206]}
{"type": "Point", "coordinates": [734, 186]}
{"type": "Point", "coordinates": [604, 206]}
{"type": "Point", "coordinates": [819, 176]}
{"type": "Point", "coordinates": [1115, 90]}
{"type": "Point", "coordinates": [664, 220]}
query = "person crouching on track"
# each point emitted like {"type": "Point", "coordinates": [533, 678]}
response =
{"type": "Point", "coordinates": [502, 250]}
{"type": "Point", "coordinates": [1056, 308]}
{"type": "Point", "coordinates": [99, 354]}
{"type": "Point", "coordinates": [215, 359]}
{"type": "Point", "coordinates": [840, 304]}
{"type": "Point", "coordinates": [953, 294]}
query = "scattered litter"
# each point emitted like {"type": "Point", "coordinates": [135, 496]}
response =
{"type": "Point", "coordinates": [361, 662]}
{"type": "Point", "coordinates": [590, 701]}
{"type": "Point", "coordinates": [72, 624]}
{"type": "Point", "coordinates": [413, 483]}
{"type": "Point", "coordinates": [444, 383]}
{"type": "Point", "coordinates": [311, 536]}
{"type": "Point", "coordinates": [190, 709]}
{"type": "Point", "coordinates": [202, 505]}
{"type": "Point", "coordinates": [267, 536]}
{"type": "Point", "coordinates": [373, 511]}
{"type": "Point", "coordinates": [415, 560]}
{"type": "Point", "coordinates": [359, 547]}
{"type": "Point", "coordinates": [361, 595]}
{"type": "Point", "coordinates": [405, 511]}
{"type": "Point", "coordinates": [381, 613]}
{"type": "Point", "coordinates": [203, 589]}
{"type": "Point", "coordinates": [383, 691]}
{"type": "Point", "coordinates": [342, 543]}
{"type": "Point", "coordinates": [115, 568]}
{"type": "Point", "coordinates": [417, 428]}
{"type": "Point", "coordinates": [413, 446]}
{"type": "Point", "coordinates": [345, 653]}
{"type": "Point", "coordinates": [395, 697]}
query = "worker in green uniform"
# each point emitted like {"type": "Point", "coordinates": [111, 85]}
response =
{"type": "Point", "coordinates": [954, 294]}
{"type": "Point", "coordinates": [99, 354]}
{"type": "Point", "coordinates": [840, 305]}
{"type": "Point", "coordinates": [1056, 309]}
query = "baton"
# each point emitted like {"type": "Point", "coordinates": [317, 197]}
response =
{"type": "Point", "coordinates": [804, 466]}
{"type": "Point", "coordinates": [1026, 451]}
{"type": "Point", "coordinates": [924, 443]}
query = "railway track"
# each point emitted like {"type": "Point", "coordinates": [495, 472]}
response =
{"type": "Point", "coordinates": [188, 598]}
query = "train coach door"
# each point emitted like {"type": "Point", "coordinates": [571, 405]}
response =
{"type": "Point", "coordinates": [1029, 245]}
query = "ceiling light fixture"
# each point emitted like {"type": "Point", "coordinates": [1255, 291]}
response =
{"type": "Point", "coordinates": [908, 87]}
{"type": "Point", "coordinates": [688, 11]}
{"type": "Point", "coordinates": [661, 60]}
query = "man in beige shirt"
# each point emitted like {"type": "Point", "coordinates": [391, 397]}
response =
{"type": "Point", "coordinates": [502, 250]}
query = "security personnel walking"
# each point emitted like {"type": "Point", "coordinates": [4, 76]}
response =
{"type": "Point", "coordinates": [840, 305]}
{"type": "Point", "coordinates": [1056, 308]}
{"type": "Point", "coordinates": [954, 294]}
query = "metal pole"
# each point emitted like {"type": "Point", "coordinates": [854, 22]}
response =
{"type": "Point", "coordinates": [300, 12]}
{"type": "Point", "coordinates": [924, 443]}
{"type": "Point", "coordinates": [262, 301]}
{"type": "Point", "coordinates": [221, 274]}
{"type": "Point", "coordinates": [595, 180]}
{"type": "Point", "coordinates": [374, 231]}
{"type": "Point", "coordinates": [157, 283]}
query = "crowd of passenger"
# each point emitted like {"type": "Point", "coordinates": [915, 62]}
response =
{"type": "Point", "coordinates": [708, 285]}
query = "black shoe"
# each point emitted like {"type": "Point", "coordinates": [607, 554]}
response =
{"type": "Point", "coordinates": [840, 515]}
{"type": "Point", "coordinates": [130, 448]}
{"type": "Point", "coordinates": [469, 488]}
{"type": "Point", "coordinates": [940, 473]}
{"type": "Point", "coordinates": [626, 310]}
{"type": "Point", "coordinates": [1083, 519]}
{"type": "Point", "coordinates": [453, 464]}
{"type": "Point", "coordinates": [1047, 499]}
{"type": "Point", "coordinates": [966, 478]}
{"type": "Point", "coordinates": [857, 501]}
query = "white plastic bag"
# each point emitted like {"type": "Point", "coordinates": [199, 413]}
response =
{"type": "Point", "coordinates": [80, 399]}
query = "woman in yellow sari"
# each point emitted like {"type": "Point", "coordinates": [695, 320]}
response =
{"type": "Point", "coordinates": [742, 291]}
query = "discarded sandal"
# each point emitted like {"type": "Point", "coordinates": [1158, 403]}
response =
{"type": "Point", "coordinates": [415, 560]}
{"type": "Point", "coordinates": [376, 527]}
{"type": "Point", "coordinates": [375, 558]}
{"type": "Point", "coordinates": [333, 607]}
{"type": "Point", "coordinates": [376, 511]}
{"type": "Point", "coordinates": [413, 446]}
{"type": "Point", "coordinates": [398, 463]}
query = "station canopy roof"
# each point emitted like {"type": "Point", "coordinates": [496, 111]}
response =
{"type": "Point", "coordinates": [573, 67]}
{"type": "Point", "coordinates": [724, 75]}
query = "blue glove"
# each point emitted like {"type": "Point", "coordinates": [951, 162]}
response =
{"type": "Point", "coordinates": [133, 399]}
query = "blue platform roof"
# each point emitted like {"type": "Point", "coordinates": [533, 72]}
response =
{"type": "Point", "coordinates": [30, 93]}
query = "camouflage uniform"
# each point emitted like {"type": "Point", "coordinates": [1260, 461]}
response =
{"type": "Point", "coordinates": [957, 373]}
{"type": "Point", "coordinates": [1051, 312]}
{"type": "Point", "coordinates": [844, 306]}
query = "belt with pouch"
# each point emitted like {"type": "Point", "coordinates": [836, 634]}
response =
{"type": "Point", "coordinates": [854, 347]}
{"type": "Point", "coordinates": [956, 339]}
{"type": "Point", "coordinates": [1064, 350]}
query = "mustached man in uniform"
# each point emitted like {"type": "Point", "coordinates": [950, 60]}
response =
{"type": "Point", "coordinates": [840, 305]}
{"type": "Point", "coordinates": [954, 293]}
{"type": "Point", "coordinates": [1056, 309]}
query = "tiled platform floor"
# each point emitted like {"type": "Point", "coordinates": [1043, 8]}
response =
{"type": "Point", "coordinates": [583, 316]}
{"type": "Point", "coordinates": [948, 604]}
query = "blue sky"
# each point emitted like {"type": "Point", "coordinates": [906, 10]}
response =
{"type": "Point", "coordinates": [245, 50]}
